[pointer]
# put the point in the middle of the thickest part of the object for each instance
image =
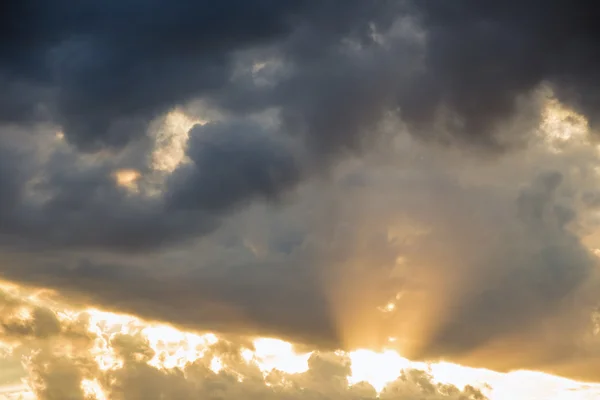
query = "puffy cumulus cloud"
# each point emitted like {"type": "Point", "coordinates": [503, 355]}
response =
{"type": "Point", "coordinates": [122, 358]}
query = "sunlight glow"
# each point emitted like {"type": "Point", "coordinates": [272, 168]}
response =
{"type": "Point", "coordinates": [176, 349]}
{"type": "Point", "coordinates": [276, 354]}
{"type": "Point", "coordinates": [389, 307]}
{"type": "Point", "coordinates": [216, 365]}
{"type": "Point", "coordinates": [378, 369]}
{"type": "Point", "coordinates": [127, 178]}
{"type": "Point", "coordinates": [92, 389]}
{"type": "Point", "coordinates": [171, 141]}
{"type": "Point", "coordinates": [560, 124]}
{"type": "Point", "coordinates": [17, 392]}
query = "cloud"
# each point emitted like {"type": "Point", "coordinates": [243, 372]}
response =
{"type": "Point", "coordinates": [481, 61]}
{"type": "Point", "coordinates": [487, 263]}
{"type": "Point", "coordinates": [103, 73]}
{"type": "Point", "coordinates": [231, 162]}
{"type": "Point", "coordinates": [526, 275]}
{"type": "Point", "coordinates": [331, 75]}
{"type": "Point", "coordinates": [59, 365]}
{"type": "Point", "coordinates": [311, 190]}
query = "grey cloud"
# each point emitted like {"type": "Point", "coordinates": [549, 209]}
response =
{"type": "Point", "coordinates": [253, 297]}
{"type": "Point", "coordinates": [537, 268]}
{"type": "Point", "coordinates": [455, 73]}
{"type": "Point", "coordinates": [103, 73]}
{"type": "Point", "coordinates": [231, 162]}
{"type": "Point", "coordinates": [493, 254]}
{"type": "Point", "coordinates": [481, 57]}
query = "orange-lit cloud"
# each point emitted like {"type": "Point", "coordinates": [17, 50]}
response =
{"type": "Point", "coordinates": [104, 355]}
{"type": "Point", "coordinates": [126, 177]}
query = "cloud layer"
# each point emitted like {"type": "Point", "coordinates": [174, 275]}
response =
{"type": "Point", "coordinates": [348, 172]}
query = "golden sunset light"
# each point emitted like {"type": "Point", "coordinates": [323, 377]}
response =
{"type": "Point", "coordinates": [171, 139]}
{"type": "Point", "coordinates": [127, 177]}
{"type": "Point", "coordinates": [118, 345]}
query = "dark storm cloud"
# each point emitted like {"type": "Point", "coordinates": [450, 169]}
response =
{"type": "Point", "coordinates": [476, 68]}
{"type": "Point", "coordinates": [481, 56]}
{"type": "Point", "coordinates": [103, 71]}
{"type": "Point", "coordinates": [231, 162]}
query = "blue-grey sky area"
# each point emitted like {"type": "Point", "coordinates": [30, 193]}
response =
{"type": "Point", "coordinates": [333, 173]}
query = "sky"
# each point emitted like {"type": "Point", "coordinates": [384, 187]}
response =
{"type": "Point", "coordinates": [297, 199]}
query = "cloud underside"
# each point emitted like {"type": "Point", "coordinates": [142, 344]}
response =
{"type": "Point", "coordinates": [413, 174]}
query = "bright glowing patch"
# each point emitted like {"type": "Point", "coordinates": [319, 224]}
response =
{"type": "Point", "coordinates": [174, 348]}
{"type": "Point", "coordinates": [127, 178]}
{"type": "Point", "coordinates": [171, 140]}
{"type": "Point", "coordinates": [93, 390]}
{"type": "Point", "coordinates": [216, 365]}
{"type": "Point", "coordinates": [560, 124]}
{"type": "Point", "coordinates": [378, 369]}
{"type": "Point", "coordinates": [389, 307]}
{"type": "Point", "coordinates": [17, 392]}
{"type": "Point", "coordinates": [177, 349]}
{"type": "Point", "coordinates": [105, 326]}
{"type": "Point", "coordinates": [247, 355]}
{"type": "Point", "coordinates": [276, 354]}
